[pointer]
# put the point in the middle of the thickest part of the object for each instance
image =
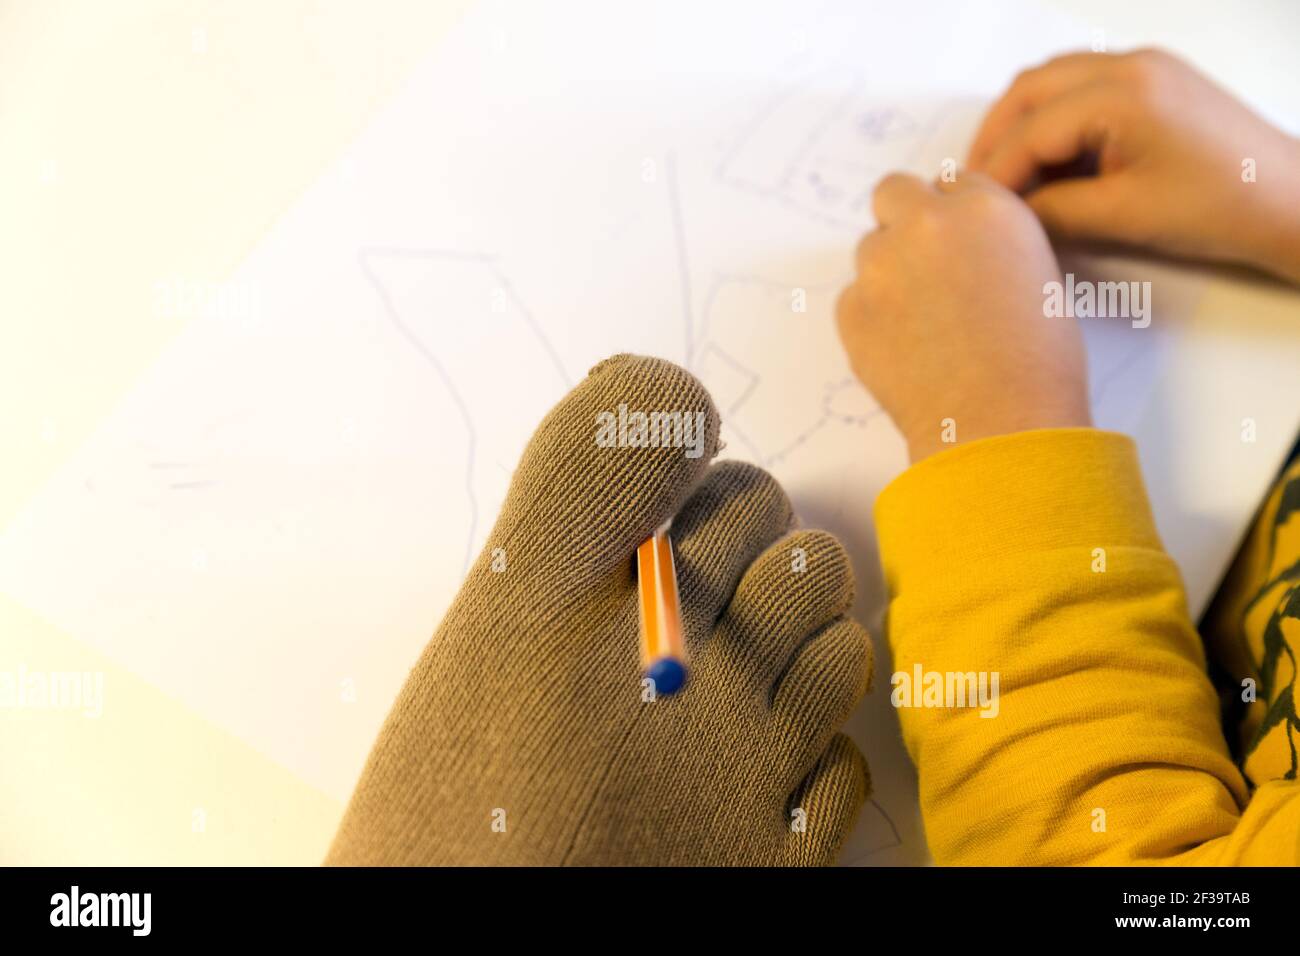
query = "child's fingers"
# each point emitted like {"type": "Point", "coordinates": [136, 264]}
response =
{"type": "Point", "coordinates": [1030, 90]}
{"type": "Point", "coordinates": [1090, 208]}
{"type": "Point", "coordinates": [968, 181]}
{"type": "Point", "coordinates": [1056, 132]}
{"type": "Point", "coordinates": [897, 194]}
{"type": "Point", "coordinates": [865, 250]}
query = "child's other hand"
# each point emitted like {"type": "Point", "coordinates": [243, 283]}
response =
{"type": "Point", "coordinates": [1181, 166]}
{"type": "Point", "coordinates": [945, 318]}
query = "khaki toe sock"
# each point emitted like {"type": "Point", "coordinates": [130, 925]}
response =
{"type": "Point", "coordinates": [524, 734]}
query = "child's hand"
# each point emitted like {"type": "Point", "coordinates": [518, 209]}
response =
{"type": "Point", "coordinates": [945, 319]}
{"type": "Point", "coordinates": [1182, 166]}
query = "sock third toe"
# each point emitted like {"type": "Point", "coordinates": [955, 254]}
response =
{"type": "Point", "coordinates": [793, 589]}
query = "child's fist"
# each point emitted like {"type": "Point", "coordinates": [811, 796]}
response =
{"type": "Point", "coordinates": [944, 322]}
{"type": "Point", "coordinates": [1181, 166]}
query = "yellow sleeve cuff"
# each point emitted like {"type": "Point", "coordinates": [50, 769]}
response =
{"type": "Point", "coordinates": [1028, 491]}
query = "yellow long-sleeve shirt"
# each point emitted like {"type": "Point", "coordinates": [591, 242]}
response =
{"type": "Point", "coordinates": [1034, 557]}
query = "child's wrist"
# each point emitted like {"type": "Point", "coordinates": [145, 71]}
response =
{"type": "Point", "coordinates": [1279, 251]}
{"type": "Point", "coordinates": [1031, 414]}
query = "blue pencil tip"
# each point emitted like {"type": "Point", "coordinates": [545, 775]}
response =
{"type": "Point", "coordinates": [668, 673]}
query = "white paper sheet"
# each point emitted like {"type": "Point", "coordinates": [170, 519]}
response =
{"type": "Point", "coordinates": [271, 525]}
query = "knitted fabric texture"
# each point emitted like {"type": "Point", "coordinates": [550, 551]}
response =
{"type": "Point", "coordinates": [525, 734]}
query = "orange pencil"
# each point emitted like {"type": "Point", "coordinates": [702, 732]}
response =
{"type": "Point", "coordinates": [663, 640]}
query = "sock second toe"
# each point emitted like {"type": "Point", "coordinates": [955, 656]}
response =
{"type": "Point", "coordinates": [737, 512]}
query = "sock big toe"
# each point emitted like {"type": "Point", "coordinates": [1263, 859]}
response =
{"type": "Point", "coordinates": [607, 466]}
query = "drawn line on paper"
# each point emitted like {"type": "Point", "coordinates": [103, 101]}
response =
{"type": "Point", "coordinates": [846, 142]}
{"type": "Point", "coordinates": [366, 257]}
{"type": "Point", "coordinates": [683, 261]}
{"type": "Point", "coordinates": [893, 829]}
{"type": "Point", "coordinates": [413, 340]}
